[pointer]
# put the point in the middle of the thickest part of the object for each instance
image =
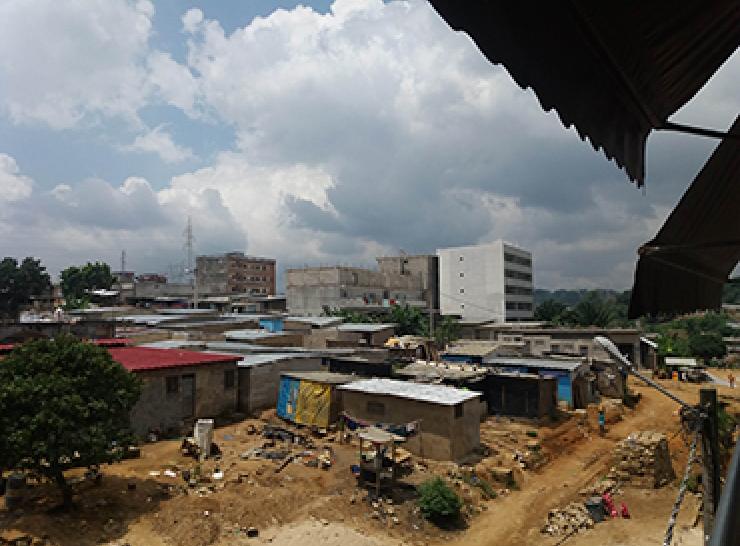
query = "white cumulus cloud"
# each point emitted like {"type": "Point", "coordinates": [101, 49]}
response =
{"type": "Point", "coordinates": [13, 185]}
{"type": "Point", "coordinates": [159, 141]}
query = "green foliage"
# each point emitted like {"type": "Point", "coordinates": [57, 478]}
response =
{"type": "Point", "coordinates": [409, 320]}
{"type": "Point", "coordinates": [78, 281]}
{"type": "Point", "coordinates": [348, 316]}
{"type": "Point", "coordinates": [437, 501]}
{"type": "Point", "coordinates": [731, 292]}
{"type": "Point", "coordinates": [447, 331]}
{"type": "Point", "coordinates": [19, 282]}
{"type": "Point", "coordinates": [595, 308]}
{"type": "Point", "coordinates": [550, 311]}
{"type": "Point", "coordinates": [63, 404]}
{"type": "Point", "coordinates": [693, 335]}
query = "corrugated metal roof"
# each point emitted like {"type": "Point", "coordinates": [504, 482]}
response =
{"type": "Point", "coordinates": [435, 394]}
{"type": "Point", "coordinates": [248, 361]}
{"type": "Point", "coordinates": [321, 322]}
{"type": "Point", "coordinates": [322, 377]}
{"type": "Point", "coordinates": [136, 359]}
{"type": "Point", "coordinates": [251, 334]}
{"type": "Point", "coordinates": [364, 327]}
{"type": "Point", "coordinates": [614, 70]}
{"type": "Point", "coordinates": [543, 363]}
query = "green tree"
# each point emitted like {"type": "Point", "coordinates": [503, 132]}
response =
{"type": "Point", "coordinates": [593, 310]}
{"type": "Point", "coordinates": [437, 501]}
{"type": "Point", "coordinates": [19, 282]}
{"type": "Point", "coordinates": [710, 345]}
{"type": "Point", "coordinates": [447, 331]}
{"type": "Point", "coordinates": [63, 404]}
{"type": "Point", "coordinates": [549, 311]}
{"type": "Point", "coordinates": [78, 281]}
{"type": "Point", "coordinates": [409, 320]}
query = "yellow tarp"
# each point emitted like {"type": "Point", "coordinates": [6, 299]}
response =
{"type": "Point", "coordinates": [312, 405]}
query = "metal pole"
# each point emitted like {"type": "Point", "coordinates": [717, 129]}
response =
{"type": "Point", "coordinates": [710, 459]}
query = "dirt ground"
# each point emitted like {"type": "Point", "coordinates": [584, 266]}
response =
{"type": "Point", "coordinates": [139, 505]}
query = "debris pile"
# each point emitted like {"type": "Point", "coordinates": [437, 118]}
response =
{"type": "Point", "coordinates": [643, 459]}
{"type": "Point", "coordinates": [564, 521]}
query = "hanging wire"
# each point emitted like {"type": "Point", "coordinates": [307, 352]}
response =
{"type": "Point", "coordinates": [684, 482]}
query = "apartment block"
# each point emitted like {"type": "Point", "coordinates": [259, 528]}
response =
{"type": "Point", "coordinates": [235, 273]}
{"type": "Point", "coordinates": [486, 282]}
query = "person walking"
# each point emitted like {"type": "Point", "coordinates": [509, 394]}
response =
{"type": "Point", "coordinates": [602, 422]}
{"type": "Point", "coordinates": [731, 380]}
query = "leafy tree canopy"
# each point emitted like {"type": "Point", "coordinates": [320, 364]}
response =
{"type": "Point", "coordinates": [410, 321]}
{"type": "Point", "coordinates": [19, 282]}
{"type": "Point", "coordinates": [78, 281]}
{"type": "Point", "coordinates": [63, 404]}
{"type": "Point", "coordinates": [693, 335]}
{"type": "Point", "coordinates": [595, 308]}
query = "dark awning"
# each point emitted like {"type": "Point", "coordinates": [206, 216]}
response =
{"type": "Point", "coordinates": [615, 70]}
{"type": "Point", "coordinates": [685, 266]}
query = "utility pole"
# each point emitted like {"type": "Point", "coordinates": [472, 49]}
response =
{"type": "Point", "coordinates": [191, 270]}
{"type": "Point", "coordinates": [710, 459]}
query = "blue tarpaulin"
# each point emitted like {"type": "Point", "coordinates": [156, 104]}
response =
{"type": "Point", "coordinates": [288, 397]}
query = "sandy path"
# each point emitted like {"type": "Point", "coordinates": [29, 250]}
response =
{"type": "Point", "coordinates": [517, 518]}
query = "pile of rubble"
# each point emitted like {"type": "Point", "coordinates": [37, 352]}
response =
{"type": "Point", "coordinates": [564, 521]}
{"type": "Point", "coordinates": [643, 459]}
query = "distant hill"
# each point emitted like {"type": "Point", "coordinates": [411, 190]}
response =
{"type": "Point", "coordinates": [570, 297]}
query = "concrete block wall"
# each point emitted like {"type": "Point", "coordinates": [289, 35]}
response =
{"type": "Point", "coordinates": [258, 385]}
{"type": "Point", "coordinates": [156, 409]}
{"type": "Point", "coordinates": [443, 437]}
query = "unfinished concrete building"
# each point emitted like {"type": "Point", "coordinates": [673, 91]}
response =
{"type": "Point", "coordinates": [235, 273]}
{"type": "Point", "coordinates": [425, 266]}
{"type": "Point", "coordinates": [312, 290]}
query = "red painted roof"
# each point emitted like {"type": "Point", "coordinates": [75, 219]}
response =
{"type": "Point", "coordinates": [136, 359]}
{"type": "Point", "coordinates": [6, 347]}
{"type": "Point", "coordinates": [111, 341]}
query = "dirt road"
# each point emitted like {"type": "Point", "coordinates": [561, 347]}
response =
{"type": "Point", "coordinates": [518, 518]}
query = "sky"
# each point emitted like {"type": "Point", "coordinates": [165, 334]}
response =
{"type": "Point", "coordinates": [315, 133]}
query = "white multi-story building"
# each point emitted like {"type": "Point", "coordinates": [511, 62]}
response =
{"type": "Point", "coordinates": [486, 282]}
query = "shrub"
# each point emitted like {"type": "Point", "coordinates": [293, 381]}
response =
{"type": "Point", "coordinates": [438, 501]}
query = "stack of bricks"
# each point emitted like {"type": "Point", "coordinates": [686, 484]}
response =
{"type": "Point", "coordinates": [643, 460]}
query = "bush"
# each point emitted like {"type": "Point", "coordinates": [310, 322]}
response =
{"type": "Point", "coordinates": [437, 501]}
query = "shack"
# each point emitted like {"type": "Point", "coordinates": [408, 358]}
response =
{"type": "Point", "coordinates": [573, 375]}
{"type": "Point", "coordinates": [445, 421]}
{"type": "Point", "coordinates": [264, 337]}
{"type": "Point", "coordinates": [311, 398]}
{"type": "Point", "coordinates": [179, 387]}
{"type": "Point", "coordinates": [359, 366]}
{"type": "Point", "coordinates": [259, 376]}
{"type": "Point", "coordinates": [363, 334]}
{"type": "Point", "coordinates": [475, 351]}
{"type": "Point", "coordinates": [504, 393]}
{"type": "Point", "coordinates": [521, 395]}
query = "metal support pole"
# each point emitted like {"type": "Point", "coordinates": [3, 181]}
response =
{"type": "Point", "coordinates": [710, 459]}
